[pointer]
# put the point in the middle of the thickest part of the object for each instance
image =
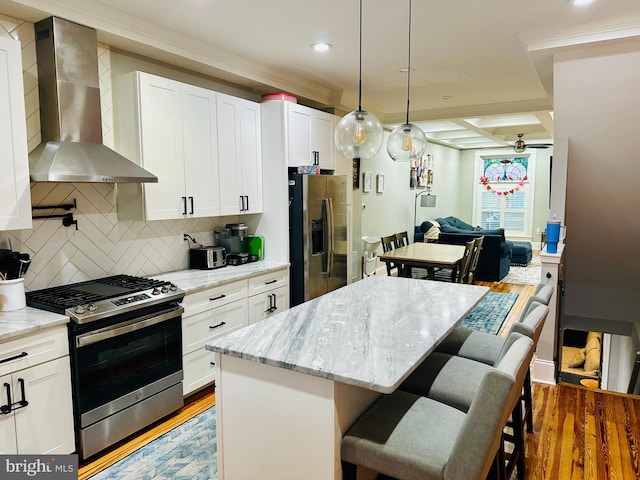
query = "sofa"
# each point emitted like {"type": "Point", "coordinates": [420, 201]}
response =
{"type": "Point", "coordinates": [495, 256]}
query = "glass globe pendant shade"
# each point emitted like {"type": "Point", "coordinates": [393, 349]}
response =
{"type": "Point", "coordinates": [359, 134]}
{"type": "Point", "coordinates": [406, 142]}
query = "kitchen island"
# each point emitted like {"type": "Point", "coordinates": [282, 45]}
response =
{"type": "Point", "coordinates": [290, 386]}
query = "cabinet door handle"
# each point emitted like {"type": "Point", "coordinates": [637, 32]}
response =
{"type": "Point", "coordinates": [316, 157]}
{"type": "Point", "coordinates": [218, 325]}
{"type": "Point", "coordinates": [270, 282]}
{"type": "Point", "coordinates": [270, 309]}
{"type": "Point", "coordinates": [213, 364]}
{"type": "Point", "coordinates": [213, 299]}
{"type": "Point", "coordinates": [184, 204]}
{"type": "Point", "coordinates": [191, 202]}
{"type": "Point", "coordinates": [275, 303]}
{"type": "Point", "coordinates": [15, 357]}
{"type": "Point", "coordinates": [23, 402]}
{"type": "Point", "coordinates": [246, 205]}
{"type": "Point", "coordinates": [6, 409]}
{"type": "Point", "coordinates": [242, 203]}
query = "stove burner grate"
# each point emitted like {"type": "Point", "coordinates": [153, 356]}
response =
{"type": "Point", "coordinates": [58, 299]}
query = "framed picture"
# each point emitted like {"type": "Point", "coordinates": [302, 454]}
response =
{"type": "Point", "coordinates": [366, 182]}
{"type": "Point", "coordinates": [380, 183]}
{"type": "Point", "coordinates": [356, 173]}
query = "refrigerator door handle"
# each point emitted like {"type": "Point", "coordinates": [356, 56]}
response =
{"type": "Point", "coordinates": [325, 237]}
{"type": "Point", "coordinates": [331, 225]}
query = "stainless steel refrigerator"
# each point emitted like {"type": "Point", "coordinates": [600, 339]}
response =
{"type": "Point", "coordinates": [317, 235]}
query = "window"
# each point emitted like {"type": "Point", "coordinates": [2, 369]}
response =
{"type": "Point", "coordinates": [503, 194]}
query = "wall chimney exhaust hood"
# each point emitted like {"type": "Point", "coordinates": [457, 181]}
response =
{"type": "Point", "coordinates": [70, 117]}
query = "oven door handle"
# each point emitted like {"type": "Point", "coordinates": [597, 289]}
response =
{"type": "Point", "coordinates": [106, 333]}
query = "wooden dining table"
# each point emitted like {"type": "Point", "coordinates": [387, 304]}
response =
{"type": "Point", "coordinates": [425, 255]}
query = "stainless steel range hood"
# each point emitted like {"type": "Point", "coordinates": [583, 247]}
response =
{"type": "Point", "coordinates": [70, 117]}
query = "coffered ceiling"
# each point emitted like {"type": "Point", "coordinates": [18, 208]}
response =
{"type": "Point", "coordinates": [481, 71]}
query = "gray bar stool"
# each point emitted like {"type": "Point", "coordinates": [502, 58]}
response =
{"type": "Point", "coordinates": [409, 436]}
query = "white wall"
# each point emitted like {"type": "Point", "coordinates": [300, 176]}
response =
{"type": "Point", "coordinates": [393, 210]}
{"type": "Point", "coordinates": [597, 101]}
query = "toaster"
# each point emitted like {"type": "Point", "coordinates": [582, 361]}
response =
{"type": "Point", "coordinates": [207, 258]}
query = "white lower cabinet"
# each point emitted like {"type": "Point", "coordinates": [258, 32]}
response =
{"type": "Point", "coordinates": [264, 305]}
{"type": "Point", "coordinates": [207, 315]}
{"type": "Point", "coordinates": [36, 413]}
{"type": "Point", "coordinates": [268, 295]}
{"type": "Point", "coordinates": [217, 311]}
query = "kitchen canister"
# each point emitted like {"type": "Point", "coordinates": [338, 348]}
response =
{"type": "Point", "coordinates": [12, 295]}
{"type": "Point", "coordinates": [556, 232]}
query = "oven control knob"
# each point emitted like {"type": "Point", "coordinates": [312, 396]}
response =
{"type": "Point", "coordinates": [173, 287]}
{"type": "Point", "coordinates": [79, 310]}
{"type": "Point", "coordinates": [156, 291]}
{"type": "Point", "coordinates": [165, 288]}
{"type": "Point", "coordinates": [92, 307]}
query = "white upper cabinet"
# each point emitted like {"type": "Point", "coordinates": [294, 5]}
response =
{"type": "Point", "coordinates": [240, 155]}
{"type": "Point", "coordinates": [310, 137]}
{"type": "Point", "coordinates": [15, 194]}
{"type": "Point", "coordinates": [169, 128]}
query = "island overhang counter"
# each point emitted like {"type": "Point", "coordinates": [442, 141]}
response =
{"type": "Point", "coordinates": [289, 387]}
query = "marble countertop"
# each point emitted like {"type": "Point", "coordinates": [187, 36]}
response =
{"type": "Point", "coordinates": [27, 320]}
{"type": "Point", "coordinates": [193, 280]}
{"type": "Point", "coordinates": [371, 333]}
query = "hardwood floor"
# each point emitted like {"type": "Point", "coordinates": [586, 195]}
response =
{"type": "Point", "coordinates": [579, 433]}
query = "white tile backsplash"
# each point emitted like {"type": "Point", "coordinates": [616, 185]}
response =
{"type": "Point", "coordinates": [102, 245]}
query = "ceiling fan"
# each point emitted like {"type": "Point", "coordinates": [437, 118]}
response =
{"type": "Point", "coordinates": [520, 145]}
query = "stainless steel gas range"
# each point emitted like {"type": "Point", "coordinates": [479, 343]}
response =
{"type": "Point", "coordinates": [125, 346]}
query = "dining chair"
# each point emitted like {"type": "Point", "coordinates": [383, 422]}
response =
{"type": "Point", "coordinates": [477, 247]}
{"type": "Point", "coordinates": [463, 272]}
{"type": "Point", "coordinates": [388, 244]}
{"type": "Point", "coordinates": [401, 240]}
{"type": "Point", "coordinates": [444, 274]}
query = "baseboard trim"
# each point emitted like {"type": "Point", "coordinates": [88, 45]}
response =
{"type": "Point", "coordinates": [544, 371]}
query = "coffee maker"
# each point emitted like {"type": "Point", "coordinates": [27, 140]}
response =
{"type": "Point", "coordinates": [232, 238]}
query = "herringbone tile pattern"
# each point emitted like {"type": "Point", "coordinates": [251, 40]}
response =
{"type": "Point", "coordinates": [102, 245]}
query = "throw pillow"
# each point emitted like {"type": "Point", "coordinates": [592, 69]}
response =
{"type": "Point", "coordinates": [578, 358]}
{"type": "Point", "coordinates": [432, 234]}
{"type": "Point", "coordinates": [425, 226]}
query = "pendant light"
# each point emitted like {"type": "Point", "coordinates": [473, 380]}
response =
{"type": "Point", "coordinates": [407, 141]}
{"type": "Point", "coordinates": [359, 134]}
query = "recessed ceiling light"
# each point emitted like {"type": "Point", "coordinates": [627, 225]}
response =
{"type": "Point", "coordinates": [580, 3]}
{"type": "Point", "coordinates": [322, 47]}
{"type": "Point", "coordinates": [446, 97]}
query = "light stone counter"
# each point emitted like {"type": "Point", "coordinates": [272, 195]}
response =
{"type": "Point", "coordinates": [193, 280]}
{"type": "Point", "coordinates": [369, 334]}
{"type": "Point", "coordinates": [27, 320]}
{"type": "Point", "coordinates": [290, 386]}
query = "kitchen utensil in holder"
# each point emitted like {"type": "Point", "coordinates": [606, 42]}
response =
{"type": "Point", "coordinates": [12, 295]}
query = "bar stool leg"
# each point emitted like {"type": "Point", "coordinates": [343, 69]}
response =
{"type": "Point", "coordinates": [528, 410]}
{"type": "Point", "coordinates": [349, 471]}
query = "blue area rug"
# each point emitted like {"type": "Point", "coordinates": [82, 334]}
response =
{"type": "Point", "coordinates": [490, 313]}
{"type": "Point", "coordinates": [188, 452]}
